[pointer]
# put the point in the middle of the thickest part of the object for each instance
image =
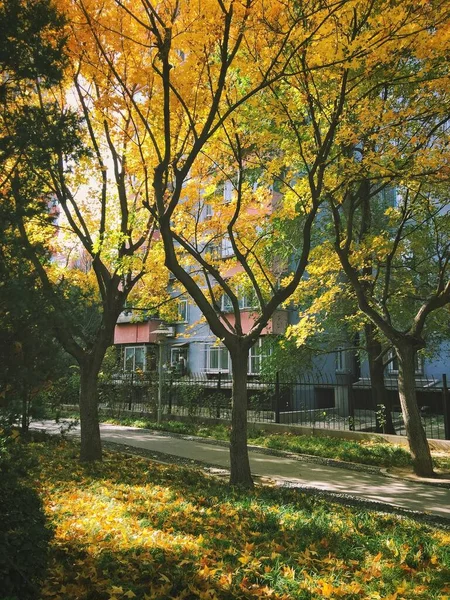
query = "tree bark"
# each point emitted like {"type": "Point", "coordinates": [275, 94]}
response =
{"type": "Point", "coordinates": [240, 473]}
{"type": "Point", "coordinates": [25, 420]}
{"type": "Point", "coordinates": [91, 447]}
{"type": "Point", "coordinates": [380, 395]}
{"type": "Point", "coordinates": [422, 463]}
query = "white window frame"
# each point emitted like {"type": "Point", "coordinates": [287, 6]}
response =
{"type": "Point", "coordinates": [247, 300]}
{"type": "Point", "coordinates": [256, 354]}
{"type": "Point", "coordinates": [228, 189]}
{"type": "Point", "coordinates": [176, 352]}
{"type": "Point", "coordinates": [225, 304]}
{"type": "Point", "coordinates": [392, 367]}
{"type": "Point", "coordinates": [223, 364]}
{"type": "Point", "coordinates": [226, 248]}
{"type": "Point", "coordinates": [183, 311]}
{"type": "Point", "coordinates": [134, 348]}
{"type": "Point", "coordinates": [209, 212]}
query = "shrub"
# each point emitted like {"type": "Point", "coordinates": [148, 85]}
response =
{"type": "Point", "coordinates": [24, 535]}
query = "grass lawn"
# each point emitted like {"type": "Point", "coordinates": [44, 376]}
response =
{"type": "Point", "coordinates": [129, 528]}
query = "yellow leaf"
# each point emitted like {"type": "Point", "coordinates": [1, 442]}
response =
{"type": "Point", "coordinates": [130, 594]}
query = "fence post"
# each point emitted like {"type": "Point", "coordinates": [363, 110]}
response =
{"type": "Point", "coordinates": [446, 402]}
{"type": "Point", "coordinates": [130, 395]}
{"type": "Point", "coordinates": [169, 400]}
{"type": "Point", "coordinates": [351, 407]}
{"type": "Point", "coordinates": [277, 397]}
{"type": "Point", "coordinates": [219, 382]}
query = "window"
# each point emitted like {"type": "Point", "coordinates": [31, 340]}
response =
{"type": "Point", "coordinates": [218, 359]}
{"type": "Point", "coordinates": [228, 191]}
{"type": "Point", "coordinates": [257, 354]}
{"type": "Point", "coordinates": [393, 363]}
{"type": "Point", "coordinates": [246, 300]}
{"type": "Point", "coordinates": [208, 211]}
{"type": "Point", "coordinates": [134, 358]}
{"type": "Point", "coordinates": [226, 304]}
{"type": "Point", "coordinates": [178, 358]}
{"type": "Point", "coordinates": [213, 251]}
{"type": "Point", "coordinates": [340, 359]}
{"type": "Point", "coordinates": [226, 247]}
{"type": "Point", "coordinates": [183, 311]}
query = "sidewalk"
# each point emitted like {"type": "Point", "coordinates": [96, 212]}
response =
{"type": "Point", "coordinates": [402, 493]}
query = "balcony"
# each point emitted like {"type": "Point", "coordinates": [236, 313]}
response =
{"type": "Point", "coordinates": [277, 325]}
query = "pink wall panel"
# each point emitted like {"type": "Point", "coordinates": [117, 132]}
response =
{"type": "Point", "coordinates": [135, 333]}
{"type": "Point", "coordinates": [276, 325]}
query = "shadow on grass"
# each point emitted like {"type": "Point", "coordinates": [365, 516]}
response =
{"type": "Point", "coordinates": [131, 526]}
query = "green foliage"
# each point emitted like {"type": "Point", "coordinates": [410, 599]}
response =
{"type": "Point", "coordinates": [31, 41]}
{"type": "Point", "coordinates": [286, 358]}
{"type": "Point", "coordinates": [24, 534]}
{"type": "Point", "coordinates": [61, 390]}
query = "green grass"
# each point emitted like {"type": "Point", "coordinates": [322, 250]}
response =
{"type": "Point", "coordinates": [130, 528]}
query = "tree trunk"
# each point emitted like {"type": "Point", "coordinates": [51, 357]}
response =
{"type": "Point", "coordinates": [240, 473]}
{"type": "Point", "coordinates": [91, 448]}
{"type": "Point", "coordinates": [415, 432]}
{"type": "Point", "coordinates": [380, 395]}
{"type": "Point", "coordinates": [25, 421]}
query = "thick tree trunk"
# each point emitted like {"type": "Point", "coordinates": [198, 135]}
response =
{"type": "Point", "coordinates": [380, 395]}
{"type": "Point", "coordinates": [240, 473]}
{"type": "Point", "coordinates": [91, 448]}
{"type": "Point", "coordinates": [415, 432]}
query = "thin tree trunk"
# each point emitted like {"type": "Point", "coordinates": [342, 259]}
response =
{"type": "Point", "coordinates": [380, 395]}
{"type": "Point", "coordinates": [25, 410]}
{"type": "Point", "coordinates": [91, 448]}
{"type": "Point", "coordinates": [415, 432]}
{"type": "Point", "coordinates": [240, 473]}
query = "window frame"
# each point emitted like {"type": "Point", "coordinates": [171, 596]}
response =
{"type": "Point", "coordinates": [209, 211]}
{"type": "Point", "coordinates": [221, 351]}
{"type": "Point", "coordinates": [144, 361]}
{"type": "Point", "coordinates": [176, 352]}
{"type": "Point", "coordinates": [228, 189]}
{"type": "Point", "coordinates": [226, 247]}
{"type": "Point", "coordinates": [392, 366]}
{"type": "Point", "coordinates": [256, 354]}
{"type": "Point", "coordinates": [183, 315]}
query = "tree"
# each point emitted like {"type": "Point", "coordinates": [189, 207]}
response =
{"type": "Point", "coordinates": [223, 88]}
{"type": "Point", "coordinates": [409, 282]}
{"type": "Point", "coordinates": [389, 134]}
{"type": "Point", "coordinates": [63, 147]}
{"type": "Point", "coordinates": [198, 72]}
{"type": "Point", "coordinates": [29, 355]}
{"type": "Point", "coordinates": [31, 43]}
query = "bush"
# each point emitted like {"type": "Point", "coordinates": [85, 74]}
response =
{"type": "Point", "coordinates": [24, 536]}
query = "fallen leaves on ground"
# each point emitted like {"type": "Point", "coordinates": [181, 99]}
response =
{"type": "Point", "coordinates": [129, 528]}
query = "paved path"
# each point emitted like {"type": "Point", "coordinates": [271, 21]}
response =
{"type": "Point", "coordinates": [401, 493]}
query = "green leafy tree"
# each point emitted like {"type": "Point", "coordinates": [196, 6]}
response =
{"type": "Point", "coordinates": [63, 157]}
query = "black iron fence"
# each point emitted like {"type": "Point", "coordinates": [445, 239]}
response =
{"type": "Point", "coordinates": [317, 402]}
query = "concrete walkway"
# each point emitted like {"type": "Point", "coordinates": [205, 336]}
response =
{"type": "Point", "coordinates": [401, 493]}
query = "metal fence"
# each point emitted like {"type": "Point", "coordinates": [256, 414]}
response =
{"type": "Point", "coordinates": [317, 402]}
